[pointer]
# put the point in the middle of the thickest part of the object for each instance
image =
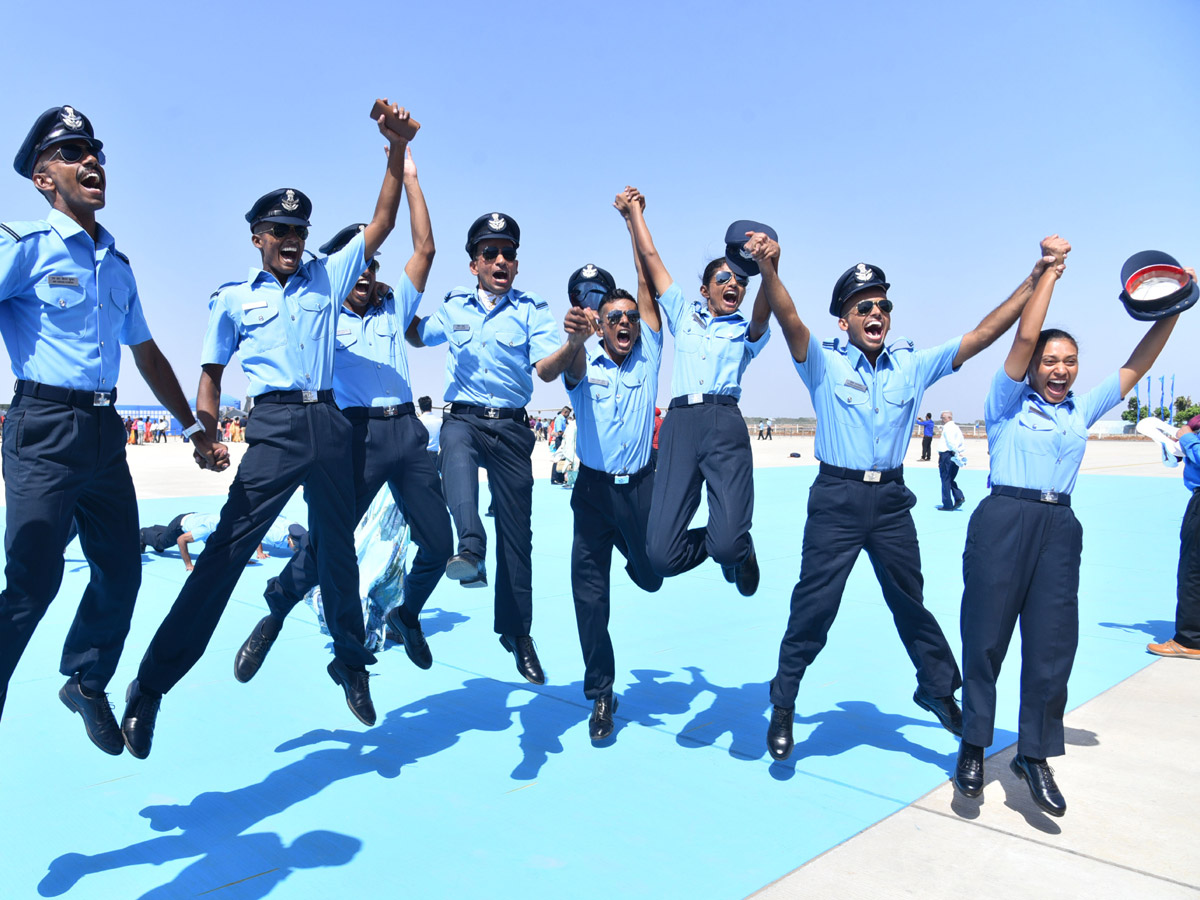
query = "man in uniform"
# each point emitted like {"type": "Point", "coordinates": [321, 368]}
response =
{"type": "Point", "coordinates": [68, 300]}
{"type": "Point", "coordinates": [372, 386]}
{"type": "Point", "coordinates": [866, 392]}
{"type": "Point", "coordinates": [281, 323]}
{"type": "Point", "coordinates": [498, 337]}
{"type": "Point", "coordinates": [613, 389]}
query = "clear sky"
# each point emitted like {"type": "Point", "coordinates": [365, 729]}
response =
{"type": "Point", "coordinates": [938, 141]}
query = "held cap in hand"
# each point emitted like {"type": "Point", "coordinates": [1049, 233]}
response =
{"type": "Point", "coordinates": [1155, 286]}
{"type": "Point", "coordinates": [587, 286]}
{"type": "Point", "coordinates": [740, 261]}
{"type": "Point", "coordinates": [342, 238]}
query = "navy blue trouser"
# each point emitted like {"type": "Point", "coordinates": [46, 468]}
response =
{"type": "Point", "coordinates": [290, 444]}
{"type": "Point", "coordinates": [844, 518]}
{"type": "Point", "coordinates": [65, 465]}
{"type": "Point", "coordinates": [948, 469]}
{"type": "Point", "coordinates": [163, 537]}
{"type": "Point", "coordinates": [1021, 561]}
{"type": "Point", "coordinates": [392, 452]}
{"type": "Point", "coordinates": [607, 515]}
{"type": "Point", "coordinates": [702, 445]}
{"type": "Point", "coordinates": [1187, 607]}
{"type": "Point", "coordinates": [502, 447]}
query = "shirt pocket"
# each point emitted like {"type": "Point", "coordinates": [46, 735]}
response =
{"type": "Point", "coordinates": [513, 346]}
{"type": "Point", "coordinates": [728, 340]}
{"type": "Point", "coordinates": [689, 338]}
{"type": "Point", "coordinates": [315, 311]}
{"type": "Point", "coordinates": [63, 309]}
{"type": "Point", "coordinates": [898, 400]}
{"type": "Point", "coordinates": [262, 329]}
{"type": "Point", "coordinates": [347, 348]}
{"type": "Point", "coordinates": [601, 393]}
{"type": "Point", "coordinates": [1037, 434]}
{"type": "Point", "coordinates": [853, 408]}
{"type": "Point", "coordinates": [460, 336]}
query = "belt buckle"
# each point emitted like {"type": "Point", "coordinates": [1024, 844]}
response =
{"type": "Point", "coordinates": [620, 479]}
{"type": "Point", "coordinates": [308, 396]}
{"type": "Point", "coordinates": [693, 399]}
{"type": "Point", "coordinates": [102, 398]}
{"type": "Point", "coordinates": [1049, 496]}
{"type": "Point", "coordinates": [872, 477]}
{"type": "Point", "coordinates": [389, 411]}
{"type": "Point", "coordinates": [491, 412]}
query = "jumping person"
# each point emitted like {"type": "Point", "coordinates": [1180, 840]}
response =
{"type": "Point", "coordinates": [282, 324]}
{"type": "Point", "coordinates": [1024, 543]}
{"type": "Point", "coordinates": [68, 301]}
{"type": "Point", "coordinates": [704, 440]}
{"type": "Point", "coordinates": [866, 392]}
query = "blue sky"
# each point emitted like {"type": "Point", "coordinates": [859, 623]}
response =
{"type": "Point", "coordinates": [938, 141]}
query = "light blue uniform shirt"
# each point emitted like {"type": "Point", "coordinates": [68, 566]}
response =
{"type": "Point", "coordinates": [865, 413]}
{"type": "Point", "coordinates": [491, 355]}
{"type": "Point", "coordinates": [200, 525]}
{"type": "Point", "coordinates": [711, 352]}
{"type": "Point", "coordinates": [1190, 445]}
{"type": "Point", "coordinates": [1039, 445]}
{"type": "Point", "coordinates": [284, 336]}
{"type": "Point", "coordinates": [614, 407]}
{"type": "Point", "coordinates": [370, 365]}
{"type": "Point", "coordinates": [66, 303]}
{"type": "Point", "coordinates": [276, 537]}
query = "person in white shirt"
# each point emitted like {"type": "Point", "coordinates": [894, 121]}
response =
{"type": "Point", "coordinates": [433, 424]}
{"type": "Point", "coordinates": [951, 457]}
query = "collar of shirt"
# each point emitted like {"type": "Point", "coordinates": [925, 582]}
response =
{"type": "Point", "coordinates": [372, 310]}
{"type": "Point", "coordinates": [490, 301]}
{"type": "Point", "coordinates": [599, 356]}
{"type": "Point", "coordinates": [68, 227]}
{"type": "Point", "coordinates": [700, 307]}
{"type": "Point", "coordinates": [257, 274]}
{"type": "Point", "coordinates": [1034, 397]}
{"type": "Point", "coordinates": [858, 359]}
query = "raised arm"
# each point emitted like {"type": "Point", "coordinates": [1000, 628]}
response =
{"type": "Point", "coordinates": [577, 365]}
{"type": "Point", "coordinates": [656, 273]}
{"type": "Point", "coordinates": [578, 327]}
{"type": "Point", "coordinates": [1000, 319]}
{"type": "Point", "coordinates": [421, 261]}
{"type": "Point", "coordinates": [388, 204]}
{"type": "Point", "coordinates": [775, 296]}
{"type": "Point", "coordinates": [1033, 316]}
{"type": "Point", "coordinates": [647, 298]}
{"type": "Point", "coordinates": [1147, 350]}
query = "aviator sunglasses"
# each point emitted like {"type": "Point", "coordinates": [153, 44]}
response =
{"type": "Point", "coordinates": [864, 306]}
{"type": "Point", "coordinates": [280, 230]}
{"type": "Point", "coordinates": [724, 275]}
{"type": "Point", "coordinates": [490, 253]}
{"type": "Point", "coordinates": [614, 316]}
{"type": "Point", "coordinates": [73, 153]}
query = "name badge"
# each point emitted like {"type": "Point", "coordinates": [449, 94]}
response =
{"type": "Point", "coordinates": [342, 333]}
{"type": "Point", "coordinates": [63, 281]}
{"type": "Point", "coordinates": [597, 379]}
{"type": "Point", "coordinates": [462, 327]}
{"type": "Point", "coordinates": [855, 385]}
{"type": "Point", "coordinates": [698, 319]}
{"type": "Point", "coordinates": [1040, 412]}
{"type": "Point", "coordinates": [254, 304]}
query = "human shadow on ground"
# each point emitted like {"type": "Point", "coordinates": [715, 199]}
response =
{"type": "Point", "coordinates": [739, 712]}
{"type": "Point", "coordinates": [1157, 629]}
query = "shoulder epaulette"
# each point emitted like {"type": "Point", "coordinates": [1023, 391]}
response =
{"type": "Point", "coordinates": [541, 304]}
{"type": "Point", "coordinates": [20, 230]}
{"type": "Point", "coordinates": [831, 344]}
{"type": "Point", "coordinates": [900, 344]}
{"type": "Point", "coordinates": [213, 295]}
{"type": "Point", "coordinates": [456, 292]}
{"type": "Point", "coordinates": [121, 256]}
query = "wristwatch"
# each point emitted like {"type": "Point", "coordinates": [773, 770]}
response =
{"type": "Point", "coordinates": [194, 428]}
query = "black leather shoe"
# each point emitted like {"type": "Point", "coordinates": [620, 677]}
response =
{"type": "Point", "coordinates": [968, 771]}
{"type": "Point", "coordinates": [250, 657]}
{"type": "Point", "coordinates": [779, 732]}
{"type": "Point", "coordinates": [960, 502]}
{"type": "Point", "coordinates": [528, 665]}
{"type": "Point", "coordinates": [137, 725]}
{"type": "Point", "coordinates": [1040, 778]}
{"type": "Point", "coordinates": [467, 569]}
{"type": "Point", "coordinates": [746, 574]}
{"type": "Point", "coordinates": [97, 716]}
{"type": "Point", "coordinates": [356, 684]}
{"type": "Point", "coordinates": [413, 639]}
{"type": "Point", "coordinates": [600, 725]}
{"type": "Point", "coordinates": [945, 708]}
{"type": "Point", "coordinates": [730, 573]}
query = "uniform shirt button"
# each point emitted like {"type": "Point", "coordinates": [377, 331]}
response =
{"type": "Point", "coordinates": [702, 356]}
{"type": "Point", "coordinates": [102, 343]}
{"type": "Point", "coordinates": [877, 409]}
{"type": "Point", "coordinates": [702, 381]}
{"type": "Point", "coordinates": [293, 318]}
{"type": "Point", "coordinates": [102, 306]}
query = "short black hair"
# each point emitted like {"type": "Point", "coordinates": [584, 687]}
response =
{"type": "Point", "coordinates": [1047, 335]}
{"type": "Point", "coordinates": [711, 269]}
{"type": "Point", "coordinates": [424, 404]}
{"type": "Point", "coordinates": [613, 295]}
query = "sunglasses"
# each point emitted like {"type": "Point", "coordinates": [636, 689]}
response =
{"type": "Point", "coordinates": [725, 275]}
{"type": "Point", "coordinates": [280, 230]}
{"type": "Point", "coordinates": [864, 306]}
{"type": "Point", "coordinates": [73, 153]}
{"type": "Point", "coordinates": [615, 315]}
{"type": "Point", "coordinates": [490, 253]}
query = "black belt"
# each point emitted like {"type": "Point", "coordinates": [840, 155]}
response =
{"type": "Point", "coordinates": [1003, 490]}
{"type": "Point", "coordinates": [632, 478]}
{"type": "Point", "coordinates": [872, 476]}
{"type": "Point", "coordinates": [70, 396]}
{"type": "Point", "coordinates": [702, 399]}
{"type": "Point", "coordinates": [378, 412]}
{"type": "Point", "coordinates": [490, 412]}
{"type": "Point", "coordinates": [295, 397]}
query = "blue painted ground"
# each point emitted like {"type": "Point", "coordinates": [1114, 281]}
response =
{"type": "Point", "coordinates": [475, 783]}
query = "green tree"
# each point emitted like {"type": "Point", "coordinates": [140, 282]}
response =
{"type": "Point", "coordinates": [1131, 412]}
{"type": "Point", "coordinates": [1184, 410]}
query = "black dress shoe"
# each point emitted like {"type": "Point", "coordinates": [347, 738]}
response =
{"type": "Point", "coordinates": [250, 656]}
{"type": "Point", "coordinates": [1040, 778]}
{"type": "Point", "coordinates": [528, 665]}
{"type": "Point", "coordinates": [467, 569]}
{"type": "Point", "coordinates": [779, 732]}
{"type": "Point", "coordinates": [746, 576]}
{"type": "Point", "coordinates": [356, 684]}
{"type": "Point", "coordinates": [730, 573]}
{"type": "Point", "coordinates": [97, 716]}
{"type": "Point", "coordinates": [968, 771]}
{"type": "Point", "coordinates": [600, 725]}
{"type": "Point", "coordinates": [945, 708]}
{"type": "Point", "coordinates": [960, 502]}
{"type": "Point", "coordinates": [137, 725]}
{"type": "Point", "coordinates": [412, 637]}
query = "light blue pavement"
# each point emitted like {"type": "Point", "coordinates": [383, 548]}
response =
{"type": "Point", "coordinates": [474, 783]}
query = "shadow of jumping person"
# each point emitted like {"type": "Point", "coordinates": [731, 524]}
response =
{"type": "Point", "coordinates": [1159, 630]}
{"type": "Point", "coordinates": [739, 712]}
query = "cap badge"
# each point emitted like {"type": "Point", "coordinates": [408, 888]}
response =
{"type": "Point", "coordinates": [497, 222]}
{"type": "Point", "coordinates": [744, 253]}
{"type": "Point", "coordinates": [290, 203]}
{"type": "Point", "coordinates": [70, 119]}
{"type": "Point", "coordinates": [589, 271]}
{"type": "Point", "coordinates": [362, 227]}
{"type": "Point", "coordinates": [863, 273]}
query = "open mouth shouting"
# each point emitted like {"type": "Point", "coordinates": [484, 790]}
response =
{"type": "Point", "coordinates": [91, 179]}
{"type": "Point", "coordinates": [290, 252]}
{"type": "Point", "coordinates": [1057, 386]}
{"type": "Point", "coordinates": [873, 330]}
{"type": "Point", "coordinates": [362, 289]}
